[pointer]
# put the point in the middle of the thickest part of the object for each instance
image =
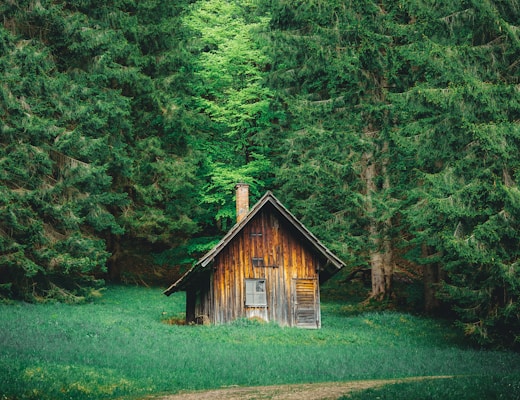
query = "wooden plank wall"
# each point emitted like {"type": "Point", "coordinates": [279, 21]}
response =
{"type": "Point", "coordinates": [306, 303]}
{"type": "Point", "coordinates": [285, 259]}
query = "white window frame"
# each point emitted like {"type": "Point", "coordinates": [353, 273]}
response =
{"type": "Point", "coordinates": [256, 293]}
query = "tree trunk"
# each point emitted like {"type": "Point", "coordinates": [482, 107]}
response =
{"type": "Point", "coordinates": [431, 277]}
{"type": "Point", "coordinates": [114, 265]}
{"type": "Point", "coordinates": [381, 262]}
{"type": "Point", "coordinates": [380, 249]}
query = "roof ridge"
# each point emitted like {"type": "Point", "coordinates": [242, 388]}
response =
{"type": "Point", "coordinates": [209, 256]}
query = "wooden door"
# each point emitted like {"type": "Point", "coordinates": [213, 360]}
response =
{"type": "Point", "coordinates": [306, 303]}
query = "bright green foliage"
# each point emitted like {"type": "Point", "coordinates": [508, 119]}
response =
{"type": "Point", "coordinates": [230, 94]}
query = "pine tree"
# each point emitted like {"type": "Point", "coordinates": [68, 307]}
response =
{"type": "Point", "coordinates": [51, 204]}
{"type": "Point", "coordinates": [91, 102]}
{"type": "Point", "coordinates": [458, 113]}
{"type": "Point", "coordinates": [330, 67]}
{"type": "Point", "coordinates": [229, 93]}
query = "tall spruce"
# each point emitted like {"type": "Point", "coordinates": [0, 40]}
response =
{"type": "Point", "coordinates": [330, 66]}
{"type": "Point", "coordinates": [229, 93]}
{"type": "Point", "coordinates": [457, 105]}
{"type": "Point", "coordinates": [94, 153]}
{"type": "Point", "coordinates": [53, 205]}
{"type": "Point", "coordinates": [423, 106]}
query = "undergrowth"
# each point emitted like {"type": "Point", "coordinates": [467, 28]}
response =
{"type": "Point", "coordinates": [122, 346]}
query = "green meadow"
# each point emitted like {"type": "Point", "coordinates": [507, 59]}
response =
{"type": "Point", "coordinates": [121, 346]}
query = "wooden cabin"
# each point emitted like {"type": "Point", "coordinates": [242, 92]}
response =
{"type": "Point", "coordinates": [268, 266]}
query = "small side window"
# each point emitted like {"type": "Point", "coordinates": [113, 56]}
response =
{"type": "Point", "coordinates": [258, 261]}
{"type": "Point", "coordinates": [256, 293]}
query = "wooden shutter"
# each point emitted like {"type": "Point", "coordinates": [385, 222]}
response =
{"type": "Point", "coordinates": [305, 303]}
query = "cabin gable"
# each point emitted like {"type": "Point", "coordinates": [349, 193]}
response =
{"type": "Point", "coordinates": [255, 274]}
{"type": "Point", "coordinates": [268, 266]}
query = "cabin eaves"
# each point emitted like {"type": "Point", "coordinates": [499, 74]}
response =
{"type": "Point", "coordinates": [332, 260]}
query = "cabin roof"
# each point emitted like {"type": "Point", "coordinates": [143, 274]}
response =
{"type": "Point", "coordinates": [267, 198]}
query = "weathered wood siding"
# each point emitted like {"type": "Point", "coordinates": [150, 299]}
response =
{"type": "Point", "coordinates": [289, 269]}
{"type": "Point", "coordinates": [306, 303]}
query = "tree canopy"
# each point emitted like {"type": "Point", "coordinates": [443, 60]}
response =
{"type": "Point", "coordinates": [390, 129]}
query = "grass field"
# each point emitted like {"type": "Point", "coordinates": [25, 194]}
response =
{"type": "Point", "coordinates": [119, 347]}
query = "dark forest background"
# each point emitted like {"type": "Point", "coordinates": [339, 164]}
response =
{"type": "Point", "coordinates": [391, 129]}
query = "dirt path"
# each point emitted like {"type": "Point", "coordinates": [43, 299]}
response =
{"type": "Point", "coordinates": [311, 391]}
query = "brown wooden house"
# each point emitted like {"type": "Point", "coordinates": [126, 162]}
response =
{"type": "Point", "coordinates": [268, 266]}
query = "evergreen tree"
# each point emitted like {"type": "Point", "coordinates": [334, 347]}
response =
{"type": "Point", "coordinates": [330, 67]}
{"type": "Point", "coordinates": [430, 128]}
{"type": "Point", "coordinates": [53, 206]}
{"type": "Point", "coordinates": [94, 154]}
{"type": "Point", "coordinates": [458, 108]}
{"type": "Point", "coordinates": [230, 94]}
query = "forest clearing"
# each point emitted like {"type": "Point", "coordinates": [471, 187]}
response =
{"type": "Point", "coordinates": [389, 129]}
{"type": "Point", "coordinates": [119, 347]}
{"type": "Point", "coordinates": [379, 141]}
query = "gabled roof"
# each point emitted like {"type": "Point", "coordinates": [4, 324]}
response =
{"type": "Point", "coordinates": [267, 198]}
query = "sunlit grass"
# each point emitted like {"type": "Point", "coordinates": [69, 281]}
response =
{"type": "Point", "coordinates": [459, 388]}
{"type": "Point", "coordinates": [119, 346]}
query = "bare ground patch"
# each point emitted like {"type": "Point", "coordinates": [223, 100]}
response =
{"type": "Point", "coordinates": [310, 391]}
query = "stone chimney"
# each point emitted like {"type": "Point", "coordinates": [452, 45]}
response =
{"type": "Point", "coordinates": [242, 196]}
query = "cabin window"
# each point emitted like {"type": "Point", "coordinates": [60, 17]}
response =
{"type": "Point", "coordinates": [256, 293]}
{"type": "Point", "coordinates": [258, 261]}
